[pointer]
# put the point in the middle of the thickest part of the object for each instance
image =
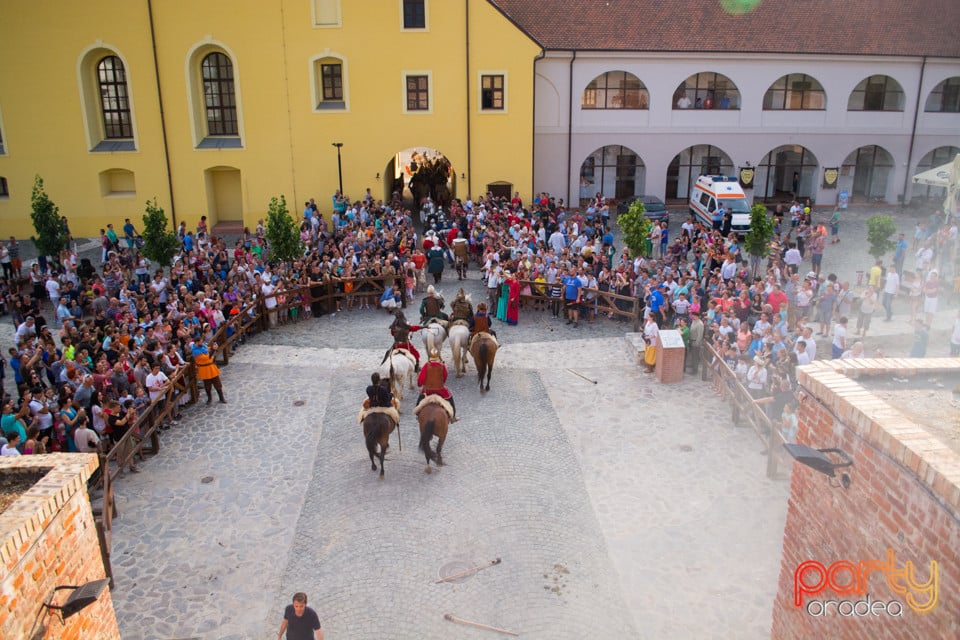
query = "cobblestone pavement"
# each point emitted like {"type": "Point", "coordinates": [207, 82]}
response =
{"type": "Point", "coordinates": [617, 508]}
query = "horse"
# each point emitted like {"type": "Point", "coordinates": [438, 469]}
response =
{"type": "Point", "coordinates": [377, 428]}
{"type": "Point", "coordinates": [434, 421]}
{"type": "Point", "coordinates": [433, 334]}
{"type": "Point", "coordinates": [484, 352]}
{"type": "Point", "coordinates": [400, 364]}
{"type": "Point", "coordinates": [459, 338]}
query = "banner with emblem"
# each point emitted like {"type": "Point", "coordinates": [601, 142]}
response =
{"type": "Point", "coordinates": [746, 177]}
{"type": "Point", "coordinates": [830, 176]}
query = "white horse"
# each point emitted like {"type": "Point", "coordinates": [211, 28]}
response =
{"type": "Point", "coordinates": [433, 336]}
{"type": "Point", "coordinates": [398, 367]}
{"type": "Point", "coordinates": [459, 338]}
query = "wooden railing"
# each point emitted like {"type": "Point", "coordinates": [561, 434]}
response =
{"type": "Point", "coordinates": [743, 406]}
{"type": "Point", "coordinates": [600, 302]}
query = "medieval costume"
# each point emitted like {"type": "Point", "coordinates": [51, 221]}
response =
{"type": "Point", "coordinates": [432, 381]}
{"type": "Point", "coordinates": [400, 331]}
{"type": "Point", "coordinates": [207, 372]}
{"type": "Point", "coordinates": [432, 307]}
{"type": "Point", "coordinates": [513, 299]}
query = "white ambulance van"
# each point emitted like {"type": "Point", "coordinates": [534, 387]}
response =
{"type": "Point", "coordinates": [710, 192]}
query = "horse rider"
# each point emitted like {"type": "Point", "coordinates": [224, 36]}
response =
{"type": "Point", "coordinates": [433, 381]}
{"type": "Point", "coordinates": [431, 309]}
{"type": "Point", "coordinates": [481, 322]}
{"type": "Point", "coordinates": [378, 392]}
{"type": "Point", "coordinates": [461, 309]}
{"type": "Point", "coordinates": [400, 331]}
{"type": "Point", "coordinates": [461, 255]}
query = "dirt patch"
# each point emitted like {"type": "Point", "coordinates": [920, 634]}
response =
{"type": "Point", "coordinates": [13, 485]}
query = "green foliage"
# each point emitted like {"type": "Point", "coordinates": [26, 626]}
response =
{"type": "Point", "coordinates": [635, 227]}
{"type": "Point", "coordinates": [51, 237]}
{"type": "Point", "coordinates": [757, 241]}
{"type": "Point", "coordinates": [159, 245]}
{"type": "Point", "coordinates": [282, 232]}
{"type": "Point", "coordinates": [879, 230]}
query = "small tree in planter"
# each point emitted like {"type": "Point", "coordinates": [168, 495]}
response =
{"type": "Point", "coordinates": [879, 230]}
{"type": "Point", "coordinates": [756, 244]}
{"type": "Point", "coordinates": [636, 227]}
{"type": "Point", "coordinates": [159, 245]}
{"type": "Point", "coordinates": [282, 232]}
{"type": "Point", "coordinates": [51, 235]}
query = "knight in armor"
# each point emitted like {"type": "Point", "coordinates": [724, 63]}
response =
{"type": "Point", "coordinates": [461, 255]}
{"type": "Point", "coordinates": [400, 331]}
{"type": "Point", "coordinates": [432, 307]}
{"type": "Point", "coordinates": [433, 381]}
{"type": "Point", "coordinates": [461, 309]}
{"type": "Point", "coordinates": [481, 322]}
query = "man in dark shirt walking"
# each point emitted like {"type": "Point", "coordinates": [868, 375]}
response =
{"type": "Point", "coordinates": [300, 621]}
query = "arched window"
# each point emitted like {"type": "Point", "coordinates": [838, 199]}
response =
{"type": "Point", "coordinates": [795, 91]}
{"type": "Point", "coordinates": [328, 75]}
{"type": "Point", "coordinates": [945, 97]}
{"type": "Point", "coordinates": [218, 93]}
{"type": "Point", "coordinates": [707, 90]}
{"type": "Point", "coordinates": [615, 90]}
{"type": "Point", "coordinates": [787, 172]}
{"type": "Point", "coordinates": [876, 93]}
{"type": "Point", "coordinates": [114, 98]}
{"type": "Point", "coordinates": [613, 170]}
{"type": "Point", "coordinates": [871, 167]}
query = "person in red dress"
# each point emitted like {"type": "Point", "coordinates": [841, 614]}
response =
{"type": "Point", "coordinates": [513, 299]}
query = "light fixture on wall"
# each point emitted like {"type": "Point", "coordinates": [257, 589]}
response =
{"type": "Point", "coordinates": [463, 176]}
{"type": "Point", "coordinates": [81, 598]}
{"type": "Point", "coordinates": [377, 176]}
{"type": "Point", "coordinates": [818, 460]}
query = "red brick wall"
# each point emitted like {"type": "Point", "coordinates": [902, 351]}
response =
{"type": "Point", "coordinates": [888, 505]}
{"type": "Point", "coordinates": [60, 548]}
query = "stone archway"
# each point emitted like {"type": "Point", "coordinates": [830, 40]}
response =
{"type": "Point", "coordinates": [416, 173]}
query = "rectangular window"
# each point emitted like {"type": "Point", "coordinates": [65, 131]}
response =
{"type": "Point", "coordinates": [326, 13]}
{"type": "Point", "coordinates": [414, 14]}
{"type": "Point", "coordinates": [418, 93]}
{"type": "Point", "coordinates": [3, 188]}
{"type": "Point", "coordinates": [332, 75]}
{"type": "Point", "coordinates": [491, 93]}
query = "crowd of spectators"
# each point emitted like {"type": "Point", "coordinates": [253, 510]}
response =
{"type": "Point", "coordinates": [94, 345]}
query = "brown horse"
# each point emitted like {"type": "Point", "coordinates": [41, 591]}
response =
{"type": "Point", "coordinates": [434, 421]}
{"type": "Point", "coordinates": [377, 428]}
{"type": "Point", "coordinates": [484, 352]}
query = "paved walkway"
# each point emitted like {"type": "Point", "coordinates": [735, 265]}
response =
{"type": "Point", "coordinates": [617, 508]}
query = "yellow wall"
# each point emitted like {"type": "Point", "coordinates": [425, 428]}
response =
{"type": "Point", "coordinates": [286, 142]}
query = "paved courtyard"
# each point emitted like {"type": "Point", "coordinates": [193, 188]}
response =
{"type": "Point", "coordinates": [617, 509]}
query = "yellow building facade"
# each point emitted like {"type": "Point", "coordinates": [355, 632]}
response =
{"type": "Point", "coordinates": [214, 107]}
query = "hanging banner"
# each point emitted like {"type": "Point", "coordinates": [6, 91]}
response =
{"type": "Point", "coordinates": [746, 177]}
{"type": "Point", "coordinates": [843, 199]}
{"type": "Point", "coordinates": [830, 176]}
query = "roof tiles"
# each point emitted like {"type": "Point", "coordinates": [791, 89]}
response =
{"type": "Point", "coordinates": [849, 27]}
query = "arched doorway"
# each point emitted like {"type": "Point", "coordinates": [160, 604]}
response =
{"type": "Point", "coordinates": [787, 172]}
{"type": "Point", "coordinates": [418, 172]}
{"type": "Point", "coordinates": [692, 162]}
{"type": "Point", "coordinates": [936, 158]}
{"type": "Point", "coordinates": [615, 171]}
{"type": "Point", "coordinates": [866, 172]}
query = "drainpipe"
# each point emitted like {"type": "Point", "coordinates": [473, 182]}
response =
{"type": "Point", "coordinates": [163, 122]}
{"type": "Point", "coordinates": [913, 134]}
{"type": "Point", "coordinates": [570, 132]}
{"type": "Point", "coordinates": [533, 123]}
{"type": "Point", "coordinates": [467, 75]}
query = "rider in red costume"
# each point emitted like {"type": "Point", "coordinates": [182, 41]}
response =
{"type": "Point", "coordinates": [400, 331]}
{"type": "Point", "coordinates": [432, 381]}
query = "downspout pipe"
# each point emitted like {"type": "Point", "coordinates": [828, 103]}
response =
{"type": "Point", "coordinates": [467, 76]}
{"type": "Point", "coordinates": [570, 133]}
{"type": "Point", "coordinates": [163, 121]}
{"type": "Point", "coordinates": [533, 124]}
{"type": "Point", "coordinates": [913, 134]}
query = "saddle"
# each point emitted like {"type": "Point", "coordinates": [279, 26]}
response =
{"type": "Point", "coordinates": [474, 337]}
{"type": "Point", "coordinates": [390, 411]}
{"type": "Point", "coordinates": [434, 399]}
{"type": "Point", "coordinates": [409, 356]}
{"type": "Point", "coordinates": [440, 321]}
{"type": "Point", "coordinates": [459, 322]}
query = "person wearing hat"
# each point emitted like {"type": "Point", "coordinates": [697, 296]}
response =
{"type": "Point", "coordinates": [481, 322]}
{"type": "Point", "coordinates": [433, 381]}
{"type": "Point", "coordinates": [757, 377]}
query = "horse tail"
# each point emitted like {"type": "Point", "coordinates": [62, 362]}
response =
{"type": "Point", "coordinates": [426, 436]}
{"type": "Point", "coordinates": [373, 435]}
{"type": "Point", "coordinates": [482, 364]}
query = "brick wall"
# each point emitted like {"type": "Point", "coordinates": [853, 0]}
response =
{"type": "Point", "coordinates": [904, 496]}
{"type": "Point", "coordinates": [48, 538]}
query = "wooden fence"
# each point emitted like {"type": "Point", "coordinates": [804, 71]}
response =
{"type": "Point", "coordinates": [744, 408]}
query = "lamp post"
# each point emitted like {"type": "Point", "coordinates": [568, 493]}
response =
{"type": "Point", "coordinates": [339, 166]}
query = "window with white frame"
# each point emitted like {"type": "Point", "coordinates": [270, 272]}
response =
{"type": "Point", "coordinates": [615, 90]}
{"type": "Point", "coordinates": [795, 92]}
{"type": "Point", "coordinates": [876, 93]}
{"type": "Point", "coordinates": [417, 92]}
{"type": "Point", "coordinates": [414, 14]}
{"type": "Point", "coordinates": [492, 92]}
{"type": "Point", "coordinates": [945, 97]}
{"type": "Point", "coordinates": [707, 90]}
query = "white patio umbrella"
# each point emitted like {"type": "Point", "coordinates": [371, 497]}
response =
{"type": "Point", "coordinates": [947, 176]}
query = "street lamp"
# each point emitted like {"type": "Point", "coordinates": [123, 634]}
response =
{"type": "Point", "coordinates": [339, 166]}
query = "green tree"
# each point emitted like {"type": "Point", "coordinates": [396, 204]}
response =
{"type": "Point", "coordinates": [159, 245]}
{"type": "Point", "coordinates": [879, 230]}
{"type": "Point", "coordinates": [282, 232]}
{"type": "Point", "coordinates": [756, 244]}
{"type": "Point", "coordinates": [51, 236]}
{"type": "Point", "coordinates": [636, 226]}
